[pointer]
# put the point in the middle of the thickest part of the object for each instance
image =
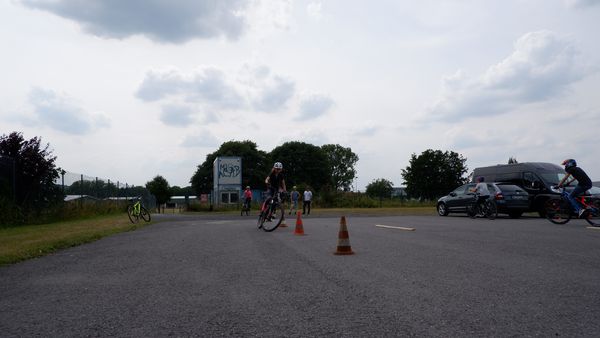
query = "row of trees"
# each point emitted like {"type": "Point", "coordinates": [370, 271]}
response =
{"type": "Point", "coordinates": [332, 167]}
{"type": "Point", "coordinates": [30, 166]}
{"type": "Point", "coordinates": [327, 167]}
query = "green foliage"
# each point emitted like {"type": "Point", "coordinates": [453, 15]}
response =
{"type": "Point", "coordinates": [380, 188]}
{"type": "Point", "coordinates": [159, 187]}
{"type": "Point", "coordinates": [178, 191]}
{"type": "Point", "coordinates": [302, 163]}
{"type": "Point", "coordinates": [33, 172]}
{"type": "Point", "coordinates": [255, 166]}
{"type": "Point", "coordinates": [341, 165]}
{"type": "Point", "coordinates": [433, 173]}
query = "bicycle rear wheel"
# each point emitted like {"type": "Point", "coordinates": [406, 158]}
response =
{"type": "Point", "coordinates": [472, 210]}
{"type": "Point", "coordinates": [558, 211]}
{"type": "Point", "coordinates": [277, 217]}
{"type": "Point", "coordinates": [144, 214]}
{"type": "Point", "coordinates": [491, 210]}
{"type": "Point", "coordinates": [592, 215]}
{"type": "Point", "coordinates": [131, 214]}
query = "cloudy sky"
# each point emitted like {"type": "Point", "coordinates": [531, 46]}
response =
{"type": "Point", "coordinates": [127, 90]}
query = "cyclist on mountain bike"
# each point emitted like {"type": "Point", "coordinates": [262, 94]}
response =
{"type": "Point", "coordinates": [276, 181]}
{"type": "Point", "coordinates": [584, 183]}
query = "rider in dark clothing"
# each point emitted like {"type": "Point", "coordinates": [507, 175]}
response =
{"type": "Point", "coordinates": [584, 183]}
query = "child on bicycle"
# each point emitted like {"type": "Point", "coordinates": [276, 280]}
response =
{"type": "Point", "coordinates": [584, 183]}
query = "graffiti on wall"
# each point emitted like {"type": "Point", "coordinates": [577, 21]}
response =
{"type": "Point", "coordinates": [229, 170]}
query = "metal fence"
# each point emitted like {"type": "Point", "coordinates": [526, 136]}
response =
{"type": "Point", "coordinates": [82, 187]}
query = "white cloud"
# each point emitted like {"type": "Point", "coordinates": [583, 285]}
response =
{"type": "Point", "coordinates": [314, 105]}
{"type": "Point", "coordinates": [213, 89]}
{"type": "Point", "coordinates": [60, 112]}
{"type": "Point", "coordinates": [200, 139]}
{"type": "Point", "coordinates": [159, 20]}
{"type": "Point", "coordinates": [582, 3]}
{"type": "Point", "coordinates": [177, 115]}
{"type": "Point", "coordinates": [542, 66]}
{"type": "Point", "coordinates": [314, 10]}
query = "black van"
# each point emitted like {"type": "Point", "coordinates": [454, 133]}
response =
{"type": "Point", "coordinates": [535, 177]}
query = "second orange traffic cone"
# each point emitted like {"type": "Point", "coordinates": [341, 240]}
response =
{"type": "Point", "coordinates": [299, 227]}
{"type": "Point", "coordinates": [343, 247]}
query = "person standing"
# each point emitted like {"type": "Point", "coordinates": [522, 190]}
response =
{"type": "Point", "coordinates": [306, 201]}
{"type": "Point", "coordinates": [247, 198]}
{"type": "Point", "coordinates": [294, 197]}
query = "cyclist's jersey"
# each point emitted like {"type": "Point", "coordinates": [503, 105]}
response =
{"type": "Point", "coordinates": [581, 177]}
{"type": "Point", "coordinates": [248, 194]}
{"type": "Point", "coordinates": [482, 189]}
{"type": "Point", "coordinates": [276, 181]}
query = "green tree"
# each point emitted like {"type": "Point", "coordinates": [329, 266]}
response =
{"type": "Point", "coordinates": [341, 165]}
{"type": "Point", "coordinates": [380, 188]}
{"type": "Point", "coordinates": [159, 187]}
{"type": "Point", "coordinates": [33, 176]}
{"type": "Point", "coordinates": [303, 164]}
{"type": "Point", "coordinates": [433, 173]}
{"type": "Point", "coordinates": [179, 191]}
{"type": "Point", "coordinates": [255, 166]}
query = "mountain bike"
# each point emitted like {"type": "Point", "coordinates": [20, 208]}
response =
{"type": "Point", "coordinates": [271, 213]}
{"type": "Point", "coordinates": [559, 210]}
{"type": "Point", "coordinates": [136, 210]}
{"type": "Point", "coordinates": [487, 208]}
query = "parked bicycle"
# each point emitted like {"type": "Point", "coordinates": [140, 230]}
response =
{"type": "Point", "coordinates": [559, 209]}
{"type": "Point", "coordinates": [271, 213]}
{"type": "Point", "coordinates": [486, 208]}
{"type": "Point", "coordinates": [136, 210]}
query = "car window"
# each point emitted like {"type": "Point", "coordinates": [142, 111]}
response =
{"type": "Point", "coordinates": [511, 188]}
{"type": "Point", "coordinates": [460, 190]}
{"type": "Point", "coordinates": [594, 191]}
{"type": "Point", "coordinates": [491, 187]}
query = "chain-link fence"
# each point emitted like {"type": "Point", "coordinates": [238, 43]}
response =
{"type": "Point", "coordinates": [83, 188]}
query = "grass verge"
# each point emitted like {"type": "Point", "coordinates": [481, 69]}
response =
{"type": "Point", "coordinates": [25, 242]}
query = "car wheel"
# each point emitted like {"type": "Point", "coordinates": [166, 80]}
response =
{"type": "Point", "coordinates": [442, 209]}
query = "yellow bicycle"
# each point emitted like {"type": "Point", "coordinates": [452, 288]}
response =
{"type": "Point", "coordinates": [136, 210]}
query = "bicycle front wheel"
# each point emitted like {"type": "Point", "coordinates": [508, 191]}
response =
{"type": "Point", "coordinates": [132, 215]}
{"type": "Point", "coordinates": [592, 216]}
{"type": "Point", "coordinates": [276, 218]}
{"type": "Point", "coordinates": [558, 211]}
{"type": "Point", "coordinates": [491, 210]}
{"type": "Point", "coordinates": [144, 214]}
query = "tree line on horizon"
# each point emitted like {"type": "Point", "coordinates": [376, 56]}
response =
{"type": "Point", "coordinates": [329, 169]}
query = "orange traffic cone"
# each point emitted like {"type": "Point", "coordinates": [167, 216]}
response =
{"type": "Point", "coordinates": [283, 223]}
{"type": "Point", "coordinates": [343, 247]}
{"type": "Point", "coordinates": [299, 227]}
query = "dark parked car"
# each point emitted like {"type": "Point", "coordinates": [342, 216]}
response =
{"type": "Point", "coordinates": [510, 199]}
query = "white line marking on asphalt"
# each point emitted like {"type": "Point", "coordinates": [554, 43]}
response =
{"type": "Point", "coordinates": [391, 227]}
{"type": "Point", "coordinates": [595, 228]}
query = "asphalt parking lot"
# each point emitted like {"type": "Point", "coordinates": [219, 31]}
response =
{"type": "Point", "coordinates": [220, 276]}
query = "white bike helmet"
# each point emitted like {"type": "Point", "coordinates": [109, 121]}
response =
{"type": "Point", "coordinates": [278, 165]}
